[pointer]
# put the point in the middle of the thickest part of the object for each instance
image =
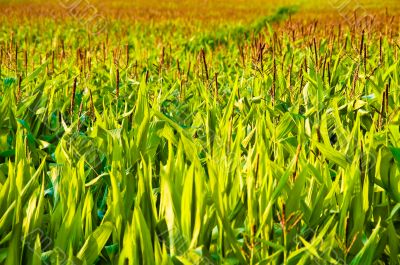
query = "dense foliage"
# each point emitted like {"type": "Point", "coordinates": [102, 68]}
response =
{"type": "Point", "coordinates": [168, 143]}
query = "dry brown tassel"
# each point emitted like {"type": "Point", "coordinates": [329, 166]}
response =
{"type": "Point", "coordinates": [290, 72]}
{"type": "Point", "coordinates": [73, 98]}
{"type": "Point", "coordinates": [203, 55]}
{"type": "Point", "coordinates": [293, 35]}
{"type": "Point", "coordinates": [179, 68]}
{"type": "Point", "coordinates": [16, 59]}
{"type": "Point", "coordinates": [242, 55]}
{"type": "Point", "coordinates": [305, 65]}
{"type": "Point", "coordinates": [315, 52]}
{"type": "Point", "coordinates": [362, 43]}
{"type": "Point", "coordinates": [19, 88]}
{"type": "Point", "coordinates": [387, 97]}
{"type": "Point", "coordinates": [262, 46]}
{"type": "Point", "coordinates": [216, 87]}
{"type": "Point", "coordinates": [365, 59]}
{"type": "Point", "coordinates": [136, 68]}
{"type": "Point", "coordinates": [329, 73]}
{"type": "Point", "coordinates": [80, 71]}
{"type": "Point", "coordinates": [383, 104]}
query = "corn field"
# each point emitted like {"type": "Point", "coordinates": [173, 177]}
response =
{"type": "Point", "coordinates": [166, 139]}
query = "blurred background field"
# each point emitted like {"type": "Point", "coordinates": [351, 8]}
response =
{"type": "Point", "coordinates": [204, 10]}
